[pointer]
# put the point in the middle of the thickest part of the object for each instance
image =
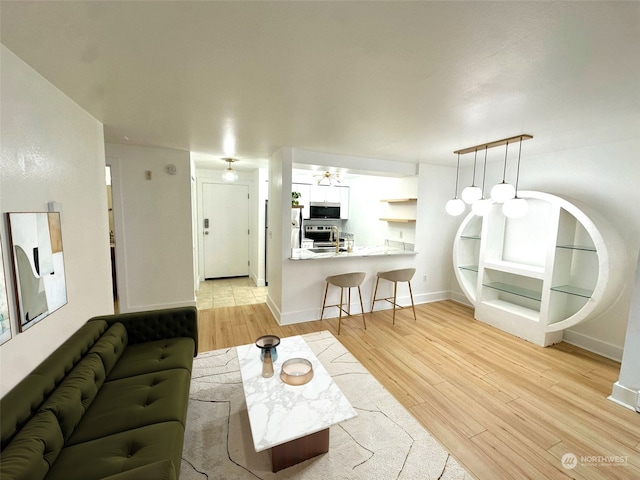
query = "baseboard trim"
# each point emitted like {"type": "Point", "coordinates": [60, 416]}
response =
{"type": "Point", "coordinates": [625, 397]}
{"type": "Point", "coordinates": [594, 345]}
{"type": "Point", "coordinates": [160, 306]}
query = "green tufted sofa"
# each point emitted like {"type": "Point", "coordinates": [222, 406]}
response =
{"type": "Point", "coordinates": [110, 402]}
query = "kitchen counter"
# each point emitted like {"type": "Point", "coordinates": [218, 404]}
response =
{"type": "Point", "coordinates": [358, 251]}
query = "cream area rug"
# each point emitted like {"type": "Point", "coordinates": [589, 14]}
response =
{"type": "Point", "coordinates": [383, 442]}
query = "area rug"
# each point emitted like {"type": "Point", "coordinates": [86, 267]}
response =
{"type": "Point", "coordinates": [383, 442]}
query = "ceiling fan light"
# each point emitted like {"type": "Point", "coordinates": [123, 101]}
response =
{"type": "Point", "coordinates": [471, 194]}
{"type": "Point", "coordinates": [455, 207]}
{"type": "Point", "coordinates": [502, 192]}
{"type": "Point", "coordinates": [482, 207]}
{"type": "Point", "coordinates": [515, 208]}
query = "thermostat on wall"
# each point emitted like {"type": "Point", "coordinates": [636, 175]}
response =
{"type": "Point", "coordinates": [170, 169]}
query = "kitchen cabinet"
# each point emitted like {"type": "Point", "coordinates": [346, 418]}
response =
{"type": "Point", "coordinates": [535, 276]}
{"type": "Point", "coordinates": [326, 194]}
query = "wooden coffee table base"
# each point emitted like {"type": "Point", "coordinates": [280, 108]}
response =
{"type": "Point", "coordinates": [296, 451]}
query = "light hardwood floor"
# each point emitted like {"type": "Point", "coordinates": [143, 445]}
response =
{"type": "Point", "coordinates": [506, 409]}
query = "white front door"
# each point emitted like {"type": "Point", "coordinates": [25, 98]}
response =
{"type": "Point", "coordinates": [226, 238]}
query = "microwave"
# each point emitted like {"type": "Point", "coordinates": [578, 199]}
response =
{"type": "Point", "coordinates": [324, 210]}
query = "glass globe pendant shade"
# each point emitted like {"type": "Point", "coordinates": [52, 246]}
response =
{"type": "Point", "coordinates": [482, 207]}
{"type": "Point", "coordinates": [471, 194]}
{"type": "Point", "coordinates": [502, 192]}
{"type": "Point", "coordinates": [515, 208]}
{"type": "Point", "coordinates": [454, 207]}
{"type": "Point", "coordinates": [229, 175]}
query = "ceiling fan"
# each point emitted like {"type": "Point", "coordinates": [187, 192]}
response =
{"type": "Point", "coordinates": [327, 178]}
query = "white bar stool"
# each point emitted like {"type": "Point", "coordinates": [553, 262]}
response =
{"type": "Point", "coordinates": [348, 281]}
{"type": "Point", "coordinates": [395, 276]}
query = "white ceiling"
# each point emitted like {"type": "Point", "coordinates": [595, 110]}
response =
{"type": "Point", "coordinates": [403, 81]}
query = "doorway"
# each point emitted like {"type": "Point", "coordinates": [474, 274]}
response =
{"type": "Point", "coordinates": [112, 238]}
{"type": "Point", "coordinates": [225, 230]}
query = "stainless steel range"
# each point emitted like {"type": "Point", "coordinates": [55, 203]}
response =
{"type": "Point", "coordinates": [321, 235]}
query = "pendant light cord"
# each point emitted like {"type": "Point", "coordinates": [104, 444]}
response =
{"type": "Point", "coordinates": [475, 158]}
{"type": "Point", "coordinates": [484, 170]}
{"type": "Point", "coordinates": [504, 171]}
{"type": "Point", "coordinates": [518, 169]}
{"type": "Point", "coordinates": [457, 173]}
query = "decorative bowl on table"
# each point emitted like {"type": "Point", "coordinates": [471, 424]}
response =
{"type": "Point", "coordinates": [296, 371]}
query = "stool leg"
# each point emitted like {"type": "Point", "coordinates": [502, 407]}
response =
{"type": "Point", "coordinates": [340, 314]}
{"type": "Point", "coordinates": [395, 290]}
{"type": "Point", "coordinates": [362, 308]}
{"type": "Point", "coordinates": [324, 300]}
{"type": "Point", "coordinates": [374, 293]}
{"type": "Point", "coordinates": [412, 305]}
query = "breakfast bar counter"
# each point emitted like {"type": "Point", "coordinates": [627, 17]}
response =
{"type": "Point", "coordinates": [358, 251]}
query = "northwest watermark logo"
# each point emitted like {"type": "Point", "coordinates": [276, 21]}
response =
{"type": "Point", "coordinates": [571, 460]}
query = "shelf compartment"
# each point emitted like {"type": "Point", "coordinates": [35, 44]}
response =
{"type": "Point", "coordinates": [515, 290]}
{"type": "Point", "coordinates": [583, 248]}
{"type": "Point", "coordinates": [513, 309]}
{"type": "Point", "coordinates": [571, 290]}
{"type": "Point", "coordinates": [532, 271]}
{"type": "Point", "coordinates": [470, 268]}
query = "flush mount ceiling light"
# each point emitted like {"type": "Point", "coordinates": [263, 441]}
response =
{"type": "Point", "coordinates": [516, 207]}
{"type": "Point", "coordinates": [501, 192]}
{"type": "Point", "coordinates": [472, 193]}
{"type": "Point", "coordinates": [455, 206]}
{"type": "Point", "coordinates": [229, 175]}
{"type": "Point", "coordinates": [328, 178]}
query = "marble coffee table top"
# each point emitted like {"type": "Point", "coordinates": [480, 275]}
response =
{"type": "Point", "coordinates": [279, 413]}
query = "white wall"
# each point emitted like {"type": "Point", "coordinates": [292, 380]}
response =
{"type": "Point", "coordinates": [626, 390]}
{"type": "Point", "coordinates": [154, 244]}
{"type": "Point", "coordinates": [52, 150]}
{"type": "Point", "coordinates": [279, 187]}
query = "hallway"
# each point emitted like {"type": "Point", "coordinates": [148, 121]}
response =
{"type": "Point", "coordinates": [229, 292]}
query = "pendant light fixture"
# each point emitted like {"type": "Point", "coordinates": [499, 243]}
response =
{"type": "Point", "coordinates": [499, 193]}
{"type": "Point", "coordinates": [455, 206]}
{"type": "Point", "coordinates": [516, 207]}
{"type": "Point", "coordinates": [229, 175]}
{"type": "Point", "coordinates": [483, 206]}
{"type": "Point", "coordinates": [503, 191]}
{"type": "Point", "coordinates": [472, 193]}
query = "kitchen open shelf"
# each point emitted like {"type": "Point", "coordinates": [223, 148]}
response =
{"type": "Point", "coordinates": [559, 265]}
{"type": "Point", "coordinates": [399, 200]}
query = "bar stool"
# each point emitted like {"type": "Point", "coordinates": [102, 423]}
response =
{"type": "Point", "coordinates": [395, 276]}
{"type": "Point", "coordinates": [348, 281]}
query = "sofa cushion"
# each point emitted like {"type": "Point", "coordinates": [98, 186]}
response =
{"type": "Point", "coordinates": [134, 402]}
{"type": "Point", "coordinates": [121, 452]}
{"type": "Point", "coordinates": [19, 404]}
{"type": "Point", "coordinates": [154, 357]}
{"type": "Point", "coordinates": [33, 450]}
{"type": "Point", "coordinates": [111, 346]}
{"type": "Point", "coordinates": [160, 470]}
{"type": "Point", "coordinates": [76, 393]}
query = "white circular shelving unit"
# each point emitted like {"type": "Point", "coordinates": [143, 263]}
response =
{"type": "Point", "coordinates": [557, 266]}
